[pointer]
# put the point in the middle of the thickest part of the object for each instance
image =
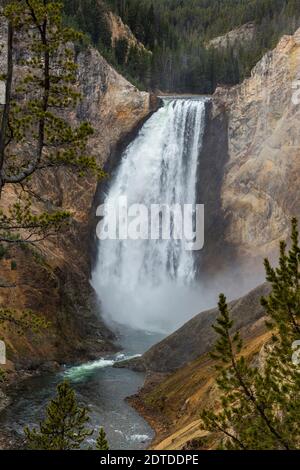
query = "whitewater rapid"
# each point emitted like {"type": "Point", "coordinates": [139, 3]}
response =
{"type": "Point", "coordinates": [150, 284]}
{"type": "Point", "coordinates": [78, 372]}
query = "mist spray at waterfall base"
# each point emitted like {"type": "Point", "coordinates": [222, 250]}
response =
{"type": "Point", "coordinates": [158, 309]}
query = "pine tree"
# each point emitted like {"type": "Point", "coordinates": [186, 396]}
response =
{"type": "Point", "coordinates": [64, 427]}
{"type": "Point", "coordinates": [121, 50]}
{"type": "Point", "coordinates": [260, 406]}
{"type": "Point", "coordinates": [36, 135]}
{"type": "Point", "coordinates": [188, 25]}
{"type": "Point", "coordinates": [283, 305]}
{"type": "Point", "coordinates": [101, 443]}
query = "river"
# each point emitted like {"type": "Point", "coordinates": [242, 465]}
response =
{"type": "Point", "coordinates": [100, 387]}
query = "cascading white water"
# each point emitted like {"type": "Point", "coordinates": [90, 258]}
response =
{"type": "Point", "coordinates": [149, 284]}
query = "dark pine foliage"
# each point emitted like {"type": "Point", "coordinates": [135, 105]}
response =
{"type": "Point", "coordinates": [260, 400]}
{"type": "Point", "coordinates": [101, 442]}
{"type": "Point", "coordinates": [177, 31]}
{"type": "Point", "coordinates": [65, 425]}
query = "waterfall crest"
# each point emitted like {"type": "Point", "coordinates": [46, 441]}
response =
{"type": "Point", "coordinates": [149, 284]}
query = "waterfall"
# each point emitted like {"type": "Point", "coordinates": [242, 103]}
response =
{"type": "Point", "coordinates": [150, 284]}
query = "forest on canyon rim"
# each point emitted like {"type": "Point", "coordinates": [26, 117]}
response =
{"type": "Point", "coordinates": [176, 35]}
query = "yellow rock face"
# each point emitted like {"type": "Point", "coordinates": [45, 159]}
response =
{"type": "Point", "coordinates": [261, 190]}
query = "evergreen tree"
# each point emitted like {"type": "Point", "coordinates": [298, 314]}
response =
{"type": "Point", "coordinates": [283, 305]}
{"type": "Point", "coordinates": [260, 406]}
{"type": "Point", "coordinates": [64, 427]}
{"type": "Point", "coordinates": [49, 88]}
{"type": "Point", "coordinates": [184, 28]}
{"type": "Point", "coordinates": [101, 443]}
{"type": "Point", "coordinates": [121, 50]}
{"type": "Point", "coordinates": [35, 135]}
{"type": "Point", "coordinates": [102, 26]}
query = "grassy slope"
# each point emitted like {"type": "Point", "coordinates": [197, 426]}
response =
{"type": "Point", "coordinates": [172, 406]}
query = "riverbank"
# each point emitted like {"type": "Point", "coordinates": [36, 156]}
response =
{"type": "Point", "coordinates": [99, 386]}
{"type": "Point", "coordinates": [153, 416]}
{"type": "Point", "coordinates": [14, 378]}
{"type": "Point", "coordinates": [171, 403]}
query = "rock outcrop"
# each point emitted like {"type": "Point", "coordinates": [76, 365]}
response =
{"type": "Point", "coordinates": [260, 160]}
{"type": "Point", "coordinates": [119, 30]}
{"type": "Point", "coordinates": [54, 280]}
{"type": "Point", "coordinates": [197, 336]}
{"type": "Point", "coordinates": [242, 35]}
{"type": "Point", "coordinates": [261, 187]}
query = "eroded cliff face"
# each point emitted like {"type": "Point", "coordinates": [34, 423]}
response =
{"type": "Point", "coordinates": [53, 279]}
{"type": "Point", "coordinates": [261, 190]}
{"type": "Point", "coordinates": [241, 35]}
{"type": "Point", "coordinates": [255, 152]}
{"type": "Point", "coordinates": [119, 30]}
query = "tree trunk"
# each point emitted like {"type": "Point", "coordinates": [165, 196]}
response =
{"type": "Point", "coordinates": [6, 109]}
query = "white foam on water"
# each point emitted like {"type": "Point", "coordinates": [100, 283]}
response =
{"type": "Point", "coordinates": [140, 437]}
{"type": "Point", "coordinates": [78, 372]}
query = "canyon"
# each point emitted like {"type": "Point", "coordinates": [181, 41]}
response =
{"type": "Point", "coordinates": [258, 196]}
{"type": "Point", "coordinates": [53, 279]}
{"type": "Point", "coordinates": [247, 178]}
{"type": "Point", "coordinates": [250, 157]}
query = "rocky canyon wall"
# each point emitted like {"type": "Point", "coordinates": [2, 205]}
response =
{"type": "Point", "coordinates": [53, 278]}
{"type": "Point", "coordinates": [258, 154]}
